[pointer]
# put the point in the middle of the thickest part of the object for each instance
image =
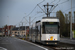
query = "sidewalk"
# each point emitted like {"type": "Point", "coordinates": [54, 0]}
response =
{"type": "Point", "coordinates": [67, 40]}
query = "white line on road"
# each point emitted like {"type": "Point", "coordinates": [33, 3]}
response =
{"type": "Point", "coordinates": [33, 44]}
{"type": "Point", "coordinates": [1, 48]}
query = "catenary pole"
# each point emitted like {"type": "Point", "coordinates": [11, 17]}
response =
{"type": "Point", "coordinates": [71, 22]}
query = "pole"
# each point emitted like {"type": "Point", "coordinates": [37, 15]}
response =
{"type": "Point", "coordinates": [22, 23]}
{"type": "Point", "coordinates": [2, 31]}
{"type": "Point", "coordinates": [71, 22]}
{"type": "Point", "coordinates": [29, 29]}
{"type": "Point", "coordinates": [19, 29]}
{"type": "Point", "coordinates": [8, 26]}
{"type": "Point", "coordinates": [47, 9]}
{"type": "Point", "coordinates": [25, 28]}
{"type": "Point", "coordinates": [74, 20]}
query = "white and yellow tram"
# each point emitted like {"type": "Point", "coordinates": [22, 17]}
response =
{"type": "Point", "coordinates": [45, 31]}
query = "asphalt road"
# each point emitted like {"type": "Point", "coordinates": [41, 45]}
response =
{"type": "Point", "coordinates": [11, 43]}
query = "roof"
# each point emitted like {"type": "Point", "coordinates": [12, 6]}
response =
{"type": "Point", "coordinates": [20, 28]}
{"type": "Point", "coordinates": [15, 28]}
{"type": "Point", "coordinates": [50, 18]}
{"type": "Point", "coordinates": [0, 28]}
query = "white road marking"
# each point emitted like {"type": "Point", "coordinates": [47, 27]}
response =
{"type": "Point", "coordinates": [33, 44]}
{"type": "Point", "coordinates": [1, 48]}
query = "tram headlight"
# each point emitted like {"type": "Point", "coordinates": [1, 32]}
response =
{"type": "Point", "coordinates": [47, 39]}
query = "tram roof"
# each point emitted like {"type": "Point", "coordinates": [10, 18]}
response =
{"type": "Point", "coordinates": [50, 18]}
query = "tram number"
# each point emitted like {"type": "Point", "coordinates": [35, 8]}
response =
{"type": "Point", "coordinates": [51, 38]}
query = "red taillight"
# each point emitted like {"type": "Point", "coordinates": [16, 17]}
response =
{"type": "Point", "coordinates": [48, 39]}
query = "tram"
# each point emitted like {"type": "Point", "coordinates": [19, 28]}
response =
{"type": "Point", "coordinates": [45, 31]}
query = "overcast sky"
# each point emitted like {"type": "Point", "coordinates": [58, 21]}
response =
{"type": "Point", "coordinates": [13, 11]}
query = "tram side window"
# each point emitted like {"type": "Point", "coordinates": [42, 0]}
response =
{"type": "Point", "coordinates": [33, 30]}
{"type": "Point", "coordinates": [43, 28]}
{"type": "Point", "coordinates": [38, 29]}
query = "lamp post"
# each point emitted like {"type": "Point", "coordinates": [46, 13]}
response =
{"type": "Point", "coordinates": [25, 25]}
{"type": "Point", "coordinates": [8, 26]}
{"type": "Point", "coordinates": [25, 28]}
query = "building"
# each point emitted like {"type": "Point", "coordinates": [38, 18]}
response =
{"type": "Point", "coordinates": [7, 30]}
{"type": "Point", "coordinates": [1, 33]}
{"type": "Point", "coordinates": [20, 31]}
{"type": "Point", "coordinates": [1, 29]}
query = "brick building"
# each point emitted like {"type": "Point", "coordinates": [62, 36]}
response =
{"type": "Point", "coordinates": [7, 29]}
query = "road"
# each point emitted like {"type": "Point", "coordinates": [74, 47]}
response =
{"type": "Point", "coordinates": [11, 43]}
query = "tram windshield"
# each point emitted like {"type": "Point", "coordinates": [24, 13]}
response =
{"type": "Point", "coordinates": [50, 27]}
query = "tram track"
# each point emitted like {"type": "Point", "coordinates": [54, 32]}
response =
{"type": "Point", "coordinates": [60, 46]}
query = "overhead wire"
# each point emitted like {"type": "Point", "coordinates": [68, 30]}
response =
{"type": "Point", "coordinates": [37, 16]}
{"type": "Point", "coordinates": [63, 2]}
{"type": "Point", "coordinates": [52, 1]}
{"type": "Point", "coordinates": [35, 7]}
{"type": "Point", "coordinates": [27, 15]}
{"type": "Point", "coordinates": [38, 5]}
{"type": "Point", "coordinates": [32, 10]}
{"type": "Point", "coordinates": [41, 2]}
{"type": "Point", "coordinates": [20, 21]}
{"type": "Point", "coordinates": [69, 8]}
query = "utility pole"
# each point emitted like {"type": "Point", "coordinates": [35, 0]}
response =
{"type": "Point", "coordinates": [74, 20]}
{"type": "Point", "coordinates": [2, 31]}
{"type": "Point", "coordinates": [25, 25]}
{"type": "Point", "coordinates": [47, 9]}
{"type": "Point", "coordinates": [22, 23]}
{"type": "Point", "coordinates": [19, 29]}
{"type": "Point", "coordinates": [29, 28]}
{"type": "Point", "coordinates": [71, 22]}
{"type": "Point", "coordinates": [7, 25]}
{"type": "Point", "coordinates": [29, 23]}
{"type": "Point", "coordinates": [48, 12]}
{"type": "Point", "coordinates": [22, 28]}
{"type": "Point", "coordinates": [74, 16]}
{"type": "Point", "coordinates": [25, 28]}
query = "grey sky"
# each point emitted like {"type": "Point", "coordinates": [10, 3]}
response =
{"type": "Point", "coordinates": [17, 9]}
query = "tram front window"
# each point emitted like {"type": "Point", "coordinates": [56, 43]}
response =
{"type": "Point", "coordinates": [50, 28]}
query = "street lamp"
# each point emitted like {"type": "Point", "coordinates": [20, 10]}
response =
{"type": "Point", "coordinates": [8, 26]}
